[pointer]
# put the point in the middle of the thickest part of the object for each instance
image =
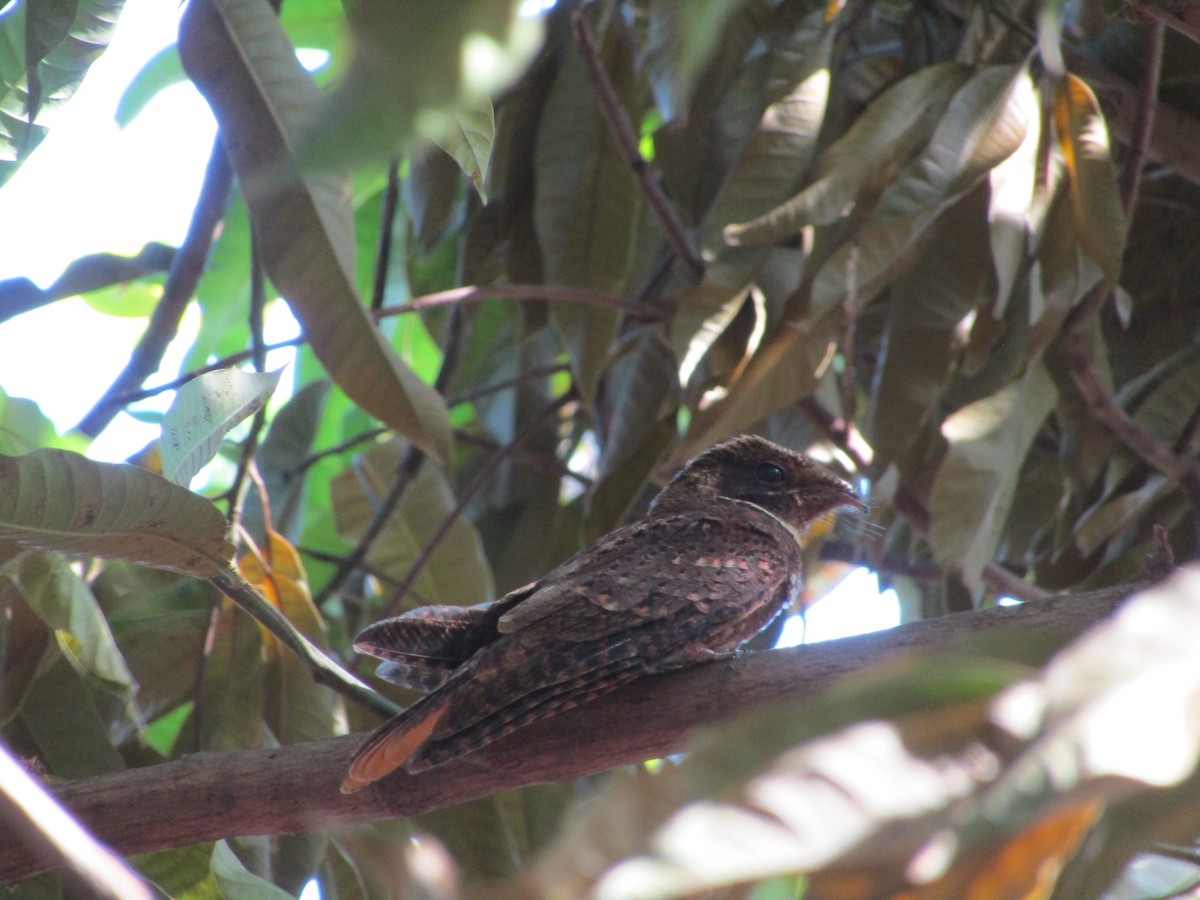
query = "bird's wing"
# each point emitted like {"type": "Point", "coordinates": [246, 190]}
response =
{"type": "Point", "coordinates": [654, 569]}
{"type": "Point", "coordinates": [423, 646]}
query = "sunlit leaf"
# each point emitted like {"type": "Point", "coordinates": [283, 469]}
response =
{"type": "Point", "coordinates": [973, 489]}
{"type": "Point", "coordinates": [881, 140]}
{"type": "Point", "coordinates": [239, 56]}
{"type": "Point", "coordinates": [61, 502]}
{"type": "Point", "coordinates": [203, 412]}
{"type": "Point", "coordinates": [410, 75]}
{"type": "Point", "coordinates": [1099, 216]}
{"type": "Point", "coordinates": [470, 143]}
{"type": "Point", "coordinates": [47, 49]}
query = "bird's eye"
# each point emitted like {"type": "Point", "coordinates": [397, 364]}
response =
{"type": "Point", "coordinates": [770, 473]}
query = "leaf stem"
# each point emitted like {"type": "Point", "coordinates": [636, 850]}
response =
{"type": "Point", "coordinates": [324, 670]}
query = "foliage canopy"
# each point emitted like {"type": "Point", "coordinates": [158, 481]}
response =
{"type": "Point", "coordinates": [538, 262]}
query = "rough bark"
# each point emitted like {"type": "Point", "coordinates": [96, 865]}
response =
{"type": "Point", "coordinates": [295, 789]}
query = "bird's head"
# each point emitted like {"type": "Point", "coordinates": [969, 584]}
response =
{"type": "Point", "coordinates": [789, 485]}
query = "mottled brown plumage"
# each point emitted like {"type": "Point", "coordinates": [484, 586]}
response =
{"type": "Point", "coordinates": [715, 559]}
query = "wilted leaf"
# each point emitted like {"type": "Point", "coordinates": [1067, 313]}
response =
{"type": "Point", "coordinates": [61, 502]}
{"type": "Point", "coordinates": [238, 55]}
{"type": "Point", "coordinates": [298, 709]}
{"type": "Point", "coordinates": [203, 412]}
{"type": "Point", "coordinates": [66, 605]}
{"type": "Point", "coordinates": [1099, 216]}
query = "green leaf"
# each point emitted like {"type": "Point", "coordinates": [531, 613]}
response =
{"type": "Point", "coordinates": [469, 142]}
{"type": "Point", "coordinates": [236, 882]}
{"type": "Point", "coordinates": [973, 488]}
{"type": "Point", "coordinates": [412, 74]}
{"type": "Point", "coordinates": [1099, 216]}
{"type": "Point", "coordinates": [203, 412]}
{"type": "Point", "coordinates": [62, 718]}
{"type": "Point", "coordinates": [925, 307]}
{"type": "Point", "coordinates": [160, 72]}
{"type": "Point", "coordinates": [240, 58]}
{"type": "Point", "coordinates": [45, 50]}
{"type": "Point", "coordinates": [585, 206]}
{"type": "Point", "coordinates": [881, 140]}
{"type": "Point", "coordinates": [61, 502]}
{"type": "Point", "coordinates": [67, 606]}
{"type": "Point", "coordinates": [281, 460]}
{"type": "Point", "coordinates": [24, 427]}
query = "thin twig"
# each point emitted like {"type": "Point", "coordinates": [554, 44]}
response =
{"type": "Point", "coordinates": [1164, 14]}
{"type": "Point", "coordinates": [185, 273]}
{"type": "Point", "coordinates": [542, 462]}
{"type": "Point", "coordinates": [387, 224]}
{"type": "Point", "coordinates": [520, 378]}
{"type": "Point", "coordinates": [406, 471]}
{"type": "Point", "coordinates": [621, 129]}
{"type": "Point", "coordinates": [224, 363]}
{"type": "Point", "coordinates": [258, 304]}
{"type": "Point", "coordinates": [849, 321]}
{"type": "Point", "coordinates": [1143, 126]}
{"type": "Point", "coordinates": [472, 294]}
{"type": "Point", "coordinates": [480, 482]}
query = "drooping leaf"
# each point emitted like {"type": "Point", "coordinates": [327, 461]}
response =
{"type": "Point", "coordinates": [881, 140]}
{"type": "Point", "coordinates": [66, 605]}
{"type": "Point", "coordinates": [161, 71]}
{"type": "Point", "coordinates": [469, 142]}
{"type": "Point", "coordinates": [298, 709]}
{"type": "Point", "coordinates": [47, 49]}
{"type": "Point", "coordinates": [926, 305]}
{"type": "Point", "coordinates": [681, 35]}
{"type": "Point", "coordinates": [973, 489]}
{"type": "Point", "coordinates": [585, 206]}
{"type": "Point", "coordinates": [240, 58]}
{"type": "Point", "coordinates": [61, 502]}
{"type": "Point", "coordinates": [1099, 216]}
{"type": "Point", "coordinates": [206, 409]}
{"type": "Point", "coordinates": [411, 73]}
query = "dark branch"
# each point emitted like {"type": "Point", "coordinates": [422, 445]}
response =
{"type": "Point", "coordinates": [185, 273]}
{"type": "Point", "coordinates": [296, 789]}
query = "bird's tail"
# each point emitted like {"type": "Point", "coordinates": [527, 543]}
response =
{"type": "Point", "coordinates": [422, 647]}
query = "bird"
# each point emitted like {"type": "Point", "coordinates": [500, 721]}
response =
{"type": "Point", "coordinates": [714, 560]}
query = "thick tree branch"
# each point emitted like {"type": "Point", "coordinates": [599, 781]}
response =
{"type": "Point", "coordinates": [295, 789]}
